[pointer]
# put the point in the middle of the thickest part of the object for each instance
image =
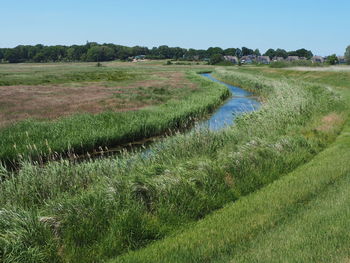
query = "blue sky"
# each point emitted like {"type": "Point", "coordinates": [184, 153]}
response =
{"type": "Point", "coordinates": [320, 25]}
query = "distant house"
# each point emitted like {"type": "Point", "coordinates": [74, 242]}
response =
{"type": "Point", "coordinates": [341, 59]}
{"type": "Point", "coordinates": [292, 58]}
{"type": "Point", "coordinates": [317, 59]}
{"type": "Point", "coordinates": [248, 59]}
{"type": "Point", "coordinates": [140, 57]}
{"type": "Point", "coordinates": [275, 59]}
{"type": "Point", "coordinates": [263, 59]}
{"type": "Point", "coordinates": [232, 59]}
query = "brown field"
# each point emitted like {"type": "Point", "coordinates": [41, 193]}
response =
{"type": "Point", "coordinates": [53, 101]}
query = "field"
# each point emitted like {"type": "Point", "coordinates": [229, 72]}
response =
{"type": "Point", "coordinates": [45, 106]}
{"type": "Point", "coordinates": [54, 90]}
{"type": "Point", "coordinates": [271, 188]}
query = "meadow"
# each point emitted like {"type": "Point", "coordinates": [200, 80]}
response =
{"type": "Point", "coordinates": [59, 108]}
{"type": "Point", "coordinates": [266, 175]}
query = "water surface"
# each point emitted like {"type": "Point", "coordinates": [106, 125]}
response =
{"type": "Point", "coordinates": [241, 102]}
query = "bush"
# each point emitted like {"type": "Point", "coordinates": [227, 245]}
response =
{"type": "Point", "coordinates": [225, 63]}
{"type": "Point", "coordinates": [297, 63]}
{"type": "Point", "coordinates": [215, 59]}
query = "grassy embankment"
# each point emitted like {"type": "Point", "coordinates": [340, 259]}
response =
{"type": "Point", "coordinates": [302, 217]}
{"type": "Point", "coordinates": [97, 210]}
{"type": "Point", "coordinates": [165, 107]}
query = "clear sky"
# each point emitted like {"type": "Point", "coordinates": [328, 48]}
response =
{"type": "Point", "coordinates": [320, 25]}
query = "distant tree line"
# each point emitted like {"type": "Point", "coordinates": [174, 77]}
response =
{"type": "Point", "coordinates": [283, 53]}
{"type": "Point", "coordinates": [95, 52]}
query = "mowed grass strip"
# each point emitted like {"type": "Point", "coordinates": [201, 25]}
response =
{"type": "Point", "coordinates": [302, 217]}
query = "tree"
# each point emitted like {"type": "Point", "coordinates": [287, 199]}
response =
{"type": "Point", "coordinates": [164, 51]}
{"type": "Point", "coordinates": [12, 55]}
{"type": "Point", "coordinates": [247, 51]}
{"type": "Point", "coordinates": [100, 53]}
{"type": "Point", "coordinates": [270, 53]}
{"type": "Point", "coordinates": [332, 59]}
{"type": "Point", "coordinates": [239, 53]}
{"type": "Point", "coordinates": [230, 52]}
{"type": "Point", "coordinates": [301, 53]}
{"type": "Point", "coordinates": [347, 55]}
{"type": "Point", "coordinates": [178, 52]}
{"type": "Point", "coordinates": [257, 52]}
{"type": "Point", "coordinates": [137, 50]}
{"type": "Point", "coordinates": [123, 52]}
{"type": "Point", "coordinates": [215, 59]}
{"type": "Point", "coordinates": [76, 53]}
{"type": "Point", "coordinates": [281, 53]}
{"type": "Point", "coordinates": [214, 50]}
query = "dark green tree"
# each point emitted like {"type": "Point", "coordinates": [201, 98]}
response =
{"type": "Point", "coordinates": [271, 53]}
{"type": "Point", "coordinates": [12, 55]}
{"type": "Point", "coordinates": [257, 52]}
{"type": "Point", "coordinates": [247, 51]}
{"type": "Point", "coordinates": [230, 51]}
{"type": "Point", "coordinates": [137, 50]}
{"type": "Point", "coordinates": [214, 50]}
{"type": "Point", "coordinates": [215, 59]}
{"type": "Point", "coordinates": [332, 59]}
{"type": "Point", "coordinates": [100, 53]}
{"type": "Point", "coordinates": [301, 53]}
{"type": "Point", "coordinates": [281, 53]}
{"type": "Point", "coordinates": [76, 53]}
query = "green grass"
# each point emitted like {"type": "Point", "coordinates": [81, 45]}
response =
{"type": "Point", "coordinates": [297, 63]}
{"type": "Point", "coordinates": [302, 217]}
{"type": "Point", "coordinates": [100, 209]}
{"type": "Point", "coordinates": [331, 78]}
{"type": "Point", "coordinates": [54, 74]}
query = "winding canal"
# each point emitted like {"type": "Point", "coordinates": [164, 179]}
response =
{"type": "Point", "coordinates": [239, 103]}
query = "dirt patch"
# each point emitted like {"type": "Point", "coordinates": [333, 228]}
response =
{"type": "Point", "coordinates": [54, 101]}
{"type": "Point", "coordinates": [330, 121]}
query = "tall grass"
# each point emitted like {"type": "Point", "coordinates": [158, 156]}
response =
{"type": "Point", "coordinates": [102, 208]}
{"type": "Point", "coordinates": [297, 63]}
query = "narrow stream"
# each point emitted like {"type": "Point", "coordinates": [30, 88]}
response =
{"type": "Point", "coordinates": [241, 102]}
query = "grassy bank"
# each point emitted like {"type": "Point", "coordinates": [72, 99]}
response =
{"type": "Point", "coordinates": [86, 132]}
{"type": "Point", "coordinates": [98, 210]}
{"type": "Point", "coordinates": [302, 217]}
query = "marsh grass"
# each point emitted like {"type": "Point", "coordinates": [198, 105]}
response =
{"type": "Point", "coordinates": [33, 140]}
{"type": "Point", "coordinates": [7, 79]}
{"type": "Point", "coordinates": [100, 209]}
